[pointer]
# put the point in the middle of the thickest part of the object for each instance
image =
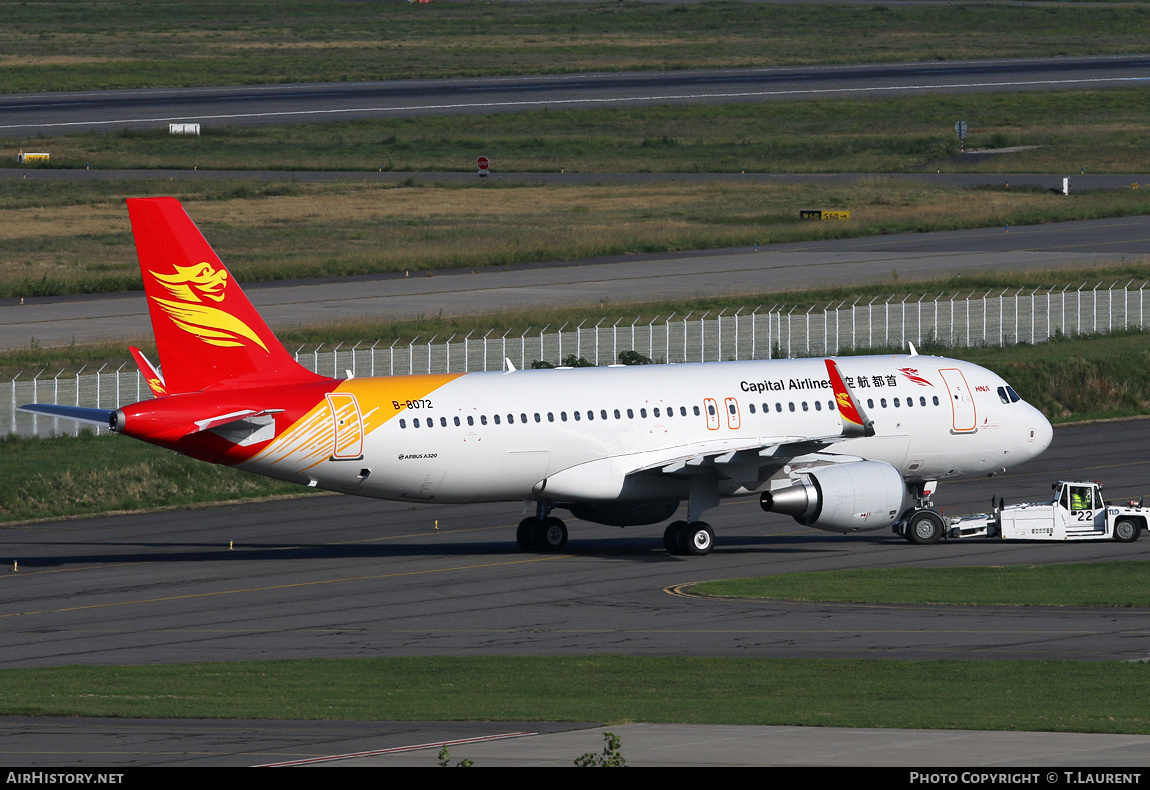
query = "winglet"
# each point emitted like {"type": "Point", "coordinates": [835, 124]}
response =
{"type": "Point", "coordinates": [854, 419]}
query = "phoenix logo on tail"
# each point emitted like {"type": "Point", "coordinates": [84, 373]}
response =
{"type": "Point", "coordinates": [191, 285]}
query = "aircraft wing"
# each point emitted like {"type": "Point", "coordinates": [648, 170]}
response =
{"type": "Point", "coordinates": [742, 462]}
{"type": "Point", "coordinates": [738, 457]}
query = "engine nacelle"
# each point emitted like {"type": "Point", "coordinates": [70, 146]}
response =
{"type": "Point", "coordinates": [860, 495]}
{"type": "Point", "coordinates": [624, 514]}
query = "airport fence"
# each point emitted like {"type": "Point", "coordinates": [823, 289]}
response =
{"type": "Point", "coordinates": [779, 331]}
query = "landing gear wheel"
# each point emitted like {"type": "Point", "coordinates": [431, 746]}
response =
{"type": "Point", "coordinates": [549, 535]}
{"type": "Point", "coordinates": [523, 534]}
{"type": "Point", "coordinates": [925, 527]}
{"type": "Point", "coordinates": [699, 538]}
{"type": "Point", "coordinates": [1127, 530]}
{"type": "Point", "coordinates": [673, 538]}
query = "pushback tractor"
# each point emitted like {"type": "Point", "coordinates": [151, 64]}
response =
{"type": "Point", "coordinates": [1078, 512]}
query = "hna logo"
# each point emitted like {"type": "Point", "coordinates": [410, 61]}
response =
{"type": "Point", "coordinates": [190, 287]}
{"type": "Point", "coordinates": [912, 374]}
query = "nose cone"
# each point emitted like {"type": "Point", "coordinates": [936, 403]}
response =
{"type": "Point", "coordinates": [1043, 433]}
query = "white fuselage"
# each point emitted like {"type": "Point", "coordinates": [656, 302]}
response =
{"type": "Point", "coordinates": [498, 436]}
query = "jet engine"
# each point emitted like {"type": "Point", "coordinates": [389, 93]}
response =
{"type": "Point", "coordinates": [859, 495]}
{"type": "Point", "coordinates": [624, 514]}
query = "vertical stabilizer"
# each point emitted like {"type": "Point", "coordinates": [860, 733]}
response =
{"type": "Point", "coordinates": [207, 332]}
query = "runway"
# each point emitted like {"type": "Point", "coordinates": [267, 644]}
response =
{"type": "Point", "coordinates": [908, 257]}
{"type": "Point", "coordinates": [58, 112]}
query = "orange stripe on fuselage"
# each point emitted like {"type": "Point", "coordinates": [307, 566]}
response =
{"type": "Point", "coordinates": [310, 440]}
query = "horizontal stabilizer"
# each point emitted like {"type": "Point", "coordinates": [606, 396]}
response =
{"type": "Point", "coordinates": [77, 413]}
{"type": "Point", "coordinates": [224, 419]}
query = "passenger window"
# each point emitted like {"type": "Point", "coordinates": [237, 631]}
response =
{"type": "Point", "coordinates": [470, 420]}
{"type": "Point", "coordinates": [870, 403]}
{"type": "Point", "coordinates": [415, 422]}
{"type": "Point", "coordinates": [563, 416]}
{"type": "Point", "coordinates": [402, 423]}
{"type": "Point", "coordinates": [682, 411]}
{"type": "Point", "coordinates": [751, 407]}
{"type": "Point", "coordinates": [791, 405]}
{"type": "Point", "coordinates": [550, 416]}
{"type": "Point", "coordinates": [818, 405]}
{"type": "Point", "coordinates": [696, 411]}
{"type": "Point", "coordinates": [896, 403]}
{"type": "Point", "coordinates": [655, 411]}
{"type": "Point", "coordinates": [618, 416]}
{"type": "Point", "coordinates": [496, 416]}
{"type": "Point", "coordinates": [935, 399]}
{"type": "Point", "coordinates": [883, 402]}
{"type": "Point", "coordinates": [643, 413]}
{"type": "Point", "coordinates": [603, 413]}
{"type": "Point", "coordinates": [482, 419]}
{"type": "Point", "coordinates": [456, 422]}
{"type": "Point", "coordinates": [630, 414]}
{"type": "Point", "coordinates": [523, 418]}
{"type": "Point", "coordinates": [442, 422]}
{"type": "Point", "coordinates": [510, 419]}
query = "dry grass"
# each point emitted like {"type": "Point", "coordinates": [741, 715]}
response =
{"type": "Point", "coordinates": [336, 230]}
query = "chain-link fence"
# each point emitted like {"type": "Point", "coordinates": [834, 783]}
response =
{"type": "Point", "coordinates": [954, 320]}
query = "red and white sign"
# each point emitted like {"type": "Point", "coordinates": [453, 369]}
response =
{"type": "Point", "coordinates": [483, 163]}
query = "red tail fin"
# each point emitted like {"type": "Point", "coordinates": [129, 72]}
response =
{"type": "Point", "coordinates": [207, 333]}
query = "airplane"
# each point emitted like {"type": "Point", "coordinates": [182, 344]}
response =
{"type": "Point", "coordinates": [841, 444]}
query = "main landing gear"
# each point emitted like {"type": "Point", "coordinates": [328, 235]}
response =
{"type": "Point", "coordinates": [695, 538]}
{"type": "Point", "coordinates": [542, 532]}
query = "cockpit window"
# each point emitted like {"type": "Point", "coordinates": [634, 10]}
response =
{"type": "Point", "coordinates": [1008, 395]}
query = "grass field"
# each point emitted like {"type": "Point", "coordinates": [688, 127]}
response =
{"type": "Point", "coordinates": [89, 475]}
{"type": "Point", "coordinates": [82, 44]}
{"type": "Point", "coordinates": [1000, 695]}
{"type": "Point", "coordinates": [285, 231]}
{"type": "Point", "coordinates": [1112, 584]}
